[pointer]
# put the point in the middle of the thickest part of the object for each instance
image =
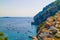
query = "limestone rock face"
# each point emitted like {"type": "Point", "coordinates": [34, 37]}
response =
{"type": "Point", "coordinates": [48, 11]}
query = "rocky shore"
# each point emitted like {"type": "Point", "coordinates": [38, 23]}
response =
{"type": "Point", "coordinates": [50, 29]}
{"type": "Point", "coordinates": [49, 22]}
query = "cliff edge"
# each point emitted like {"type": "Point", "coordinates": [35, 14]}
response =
{"type": "Point", "coordinates": [47, 11]}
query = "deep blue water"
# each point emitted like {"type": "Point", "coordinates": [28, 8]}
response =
{"type": "Point", "coordinates": [17, 28]}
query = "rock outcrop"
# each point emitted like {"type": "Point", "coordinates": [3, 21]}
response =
{"type": "Point", "coordinates": [50, 30]}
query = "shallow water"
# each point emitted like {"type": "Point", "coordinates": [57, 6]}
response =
{"type": "Point", "coordinates": [17, 28]}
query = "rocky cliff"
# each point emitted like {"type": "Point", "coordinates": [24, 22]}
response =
{"type": "Point", "coordinates": [47, 11]}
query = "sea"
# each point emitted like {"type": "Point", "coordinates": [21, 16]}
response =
{"type": "Point", "coordinates": [17, 28]}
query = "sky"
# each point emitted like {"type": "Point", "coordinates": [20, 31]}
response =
{"type": "Point", "coordinates": [22, 8]}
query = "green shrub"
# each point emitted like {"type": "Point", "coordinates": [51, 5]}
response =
{"type": "Point", "coordinates": [3, 37]}
{"type": "Point", "coordinates": [6, 38]}
{"type": "Point", "coordinates": [1, 34]}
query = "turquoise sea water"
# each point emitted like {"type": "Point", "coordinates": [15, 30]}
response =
{"type": "Point", "coordinates": [17, 28]}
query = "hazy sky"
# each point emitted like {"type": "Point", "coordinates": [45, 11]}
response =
{"type": "Point", "coordinates": [22, 8]}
